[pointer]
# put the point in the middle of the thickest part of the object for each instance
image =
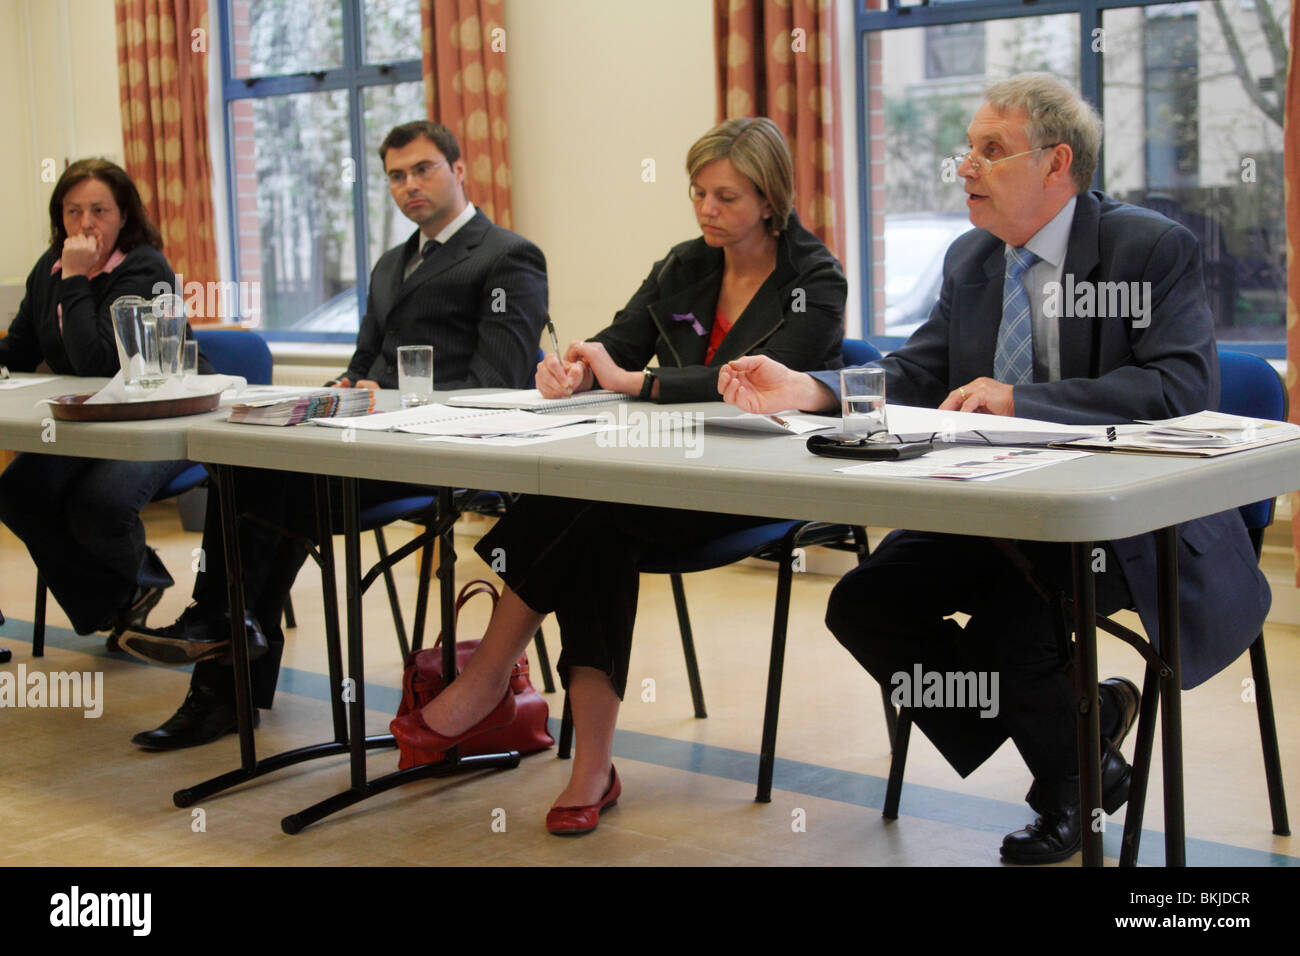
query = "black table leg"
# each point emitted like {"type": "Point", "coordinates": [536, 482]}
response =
{"type": "Point", "coordinates": [1171, 697]}
{"type": "Point", "coordinates": [362, 788]}
{"type": "Point", "coordinates": [1085, 690]}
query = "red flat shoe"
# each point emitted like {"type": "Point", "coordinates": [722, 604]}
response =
{"type": "Point", "coordinates": [411, 730]}
{"type": "Point", "coordinates": [571, 821]}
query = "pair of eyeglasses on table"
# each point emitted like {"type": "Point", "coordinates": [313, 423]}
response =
{"type": "Point", "coordinates": [875, 447]}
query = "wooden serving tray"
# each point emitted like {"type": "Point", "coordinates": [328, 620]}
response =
{"type": "Point", "coordinates": [73, 408]}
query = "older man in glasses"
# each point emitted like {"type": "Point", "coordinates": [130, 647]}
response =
{"type": "Point", "coordinates": [1004, 340]}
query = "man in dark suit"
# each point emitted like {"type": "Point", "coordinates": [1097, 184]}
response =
{"type": "Point", "coordinates": [474, 291]}
{"type": "Point", "coordinates": [995, 343]}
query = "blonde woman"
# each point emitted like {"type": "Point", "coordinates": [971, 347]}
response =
{"type": "Point", "coordinates": [756, 282]}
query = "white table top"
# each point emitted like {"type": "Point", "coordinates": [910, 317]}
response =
{"type": "Point", "coordinates": [26, 426]}
{"type": "Point", "coordinates": [1099, 497]}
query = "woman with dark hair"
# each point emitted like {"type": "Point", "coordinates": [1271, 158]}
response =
{"type": "Point", "coordinates": [80, 517]}
{"type": "Point", "coordinates": [756, 282]}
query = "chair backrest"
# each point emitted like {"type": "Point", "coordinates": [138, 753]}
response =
{"type": "Point", "coordinates": [532, 376]}
{"type": "Point", "coordinates": [1249, 386]}
{"type": "Point", "coordinates": [859, 352]}
{"type": "Point", "coordinates": [234, 352]}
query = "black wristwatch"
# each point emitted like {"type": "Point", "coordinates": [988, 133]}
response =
{"type": "Point", "coordinates": [647, 384]}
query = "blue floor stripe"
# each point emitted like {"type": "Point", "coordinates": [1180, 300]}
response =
{"type": "Point", "coordinates": [935, 804]}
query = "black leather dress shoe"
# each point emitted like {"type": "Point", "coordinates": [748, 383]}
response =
{"type": "Point", "coordinates": [134, 615]}
{"type": "Point", "coordinates": [1119, 710]}
{"type": "Point", "coordinates": [203, 718]}
{"type": "Point", "coordinates": [1057, 833]}
{"type": "Point", "coordinates": [196, 635]}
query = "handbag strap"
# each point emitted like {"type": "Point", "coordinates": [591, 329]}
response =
{"type": "Point", "coordinates": [471, 588]}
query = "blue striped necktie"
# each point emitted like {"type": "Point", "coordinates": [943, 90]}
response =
{"type": "Point", "coordinates": [1013, 361]}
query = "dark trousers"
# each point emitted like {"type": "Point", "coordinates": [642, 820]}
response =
{"type": "Point", "coordinates": [270, 561]}
{"type": "Point", "coordinates": [580, 559]}
{"type": "Point", "coordinates": [80, 520]}
{"type": "Point", "coordinates": [891, 613]}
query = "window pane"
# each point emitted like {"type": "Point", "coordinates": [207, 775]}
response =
{"type": "Point", "coordinates": [383, 108]}
{"type": "Point", "coordinates": [274, 37]}
{"type": "Point", "coordinates": [293, 196]}
{"type": "Point", "coordinates": [392, 30]}
{"type": "Point", "coordinates": [920, 100]}
{"type": "Point", "coordinates": [1196, 135]}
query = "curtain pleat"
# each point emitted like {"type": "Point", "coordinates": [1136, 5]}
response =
{"type": "Point", "coordinates": [776, 58]}
{"type": "Point", "coordinates": [163, 86]}
{"type": "Point", "coordinates": [1291, 165]}
{"type": "Point", "coordinates": [464, 45]}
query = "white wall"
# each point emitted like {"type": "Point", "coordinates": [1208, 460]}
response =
{"type": "Point", "coordinates": [58, 63]}
{"type": "Point", "coordinates": [596, 88]}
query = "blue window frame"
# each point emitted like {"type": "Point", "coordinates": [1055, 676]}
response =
{"type": "Point", "coordinates": [1171, 143]}
{"type": "Point", "coordinates": [307, 95]}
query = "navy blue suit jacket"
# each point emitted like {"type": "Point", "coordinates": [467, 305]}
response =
{"type": "Point", "coordinates": [1112, 370]}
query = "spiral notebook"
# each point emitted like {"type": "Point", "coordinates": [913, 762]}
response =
{"type": "Point", "coordinates": [531, 399]}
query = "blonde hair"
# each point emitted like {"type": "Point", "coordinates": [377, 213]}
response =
{"type": "Point", "coordinates": [1057, 114]}
{"type": "Point", "coordinates": [757, 149]}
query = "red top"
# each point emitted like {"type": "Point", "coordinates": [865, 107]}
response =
{"type": "Point", "coordinates": [720, 329]}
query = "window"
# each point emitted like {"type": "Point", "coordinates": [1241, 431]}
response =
{"type": "Point", "coordinates": [310, 89]}
{"type": "Point", "coordinates": [1189, 96]}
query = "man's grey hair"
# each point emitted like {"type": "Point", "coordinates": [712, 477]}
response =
{"type": "Point", "coordinates": [1057, 114]}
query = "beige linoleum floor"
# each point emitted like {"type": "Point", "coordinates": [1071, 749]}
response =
{"type": "Point", "coordinates": [74, 791]}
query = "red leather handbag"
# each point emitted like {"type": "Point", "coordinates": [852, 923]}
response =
{"type": "Point", "coordinates": [422, 681]}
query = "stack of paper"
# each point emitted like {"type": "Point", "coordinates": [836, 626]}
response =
{"type": "Point", "coordinates": [466, 422]}
{"type": "Point", "coordinates": [1202, 435]}
{"type": "Point", "coordinates": [317, 403]}
{"type": "Point", "coordinates": [532, 400]}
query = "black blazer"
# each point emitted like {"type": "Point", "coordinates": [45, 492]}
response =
{"type": "Point", "coordinates": [479, 300]}
{"type": "Point", "coordinates": [796, 316]}
{"type": "Point", "coordinates": [86, 345]}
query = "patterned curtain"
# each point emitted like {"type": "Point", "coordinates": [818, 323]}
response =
{"type": "Point", "coordinates": [776, 58]}
{"type": "Point", "coordinates": [1291, 161]}
{"type": "Point", "coordinates": [162, 75]}
{"type": "Point", "coordinates": [464, 44]}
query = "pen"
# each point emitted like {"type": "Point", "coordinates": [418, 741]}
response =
{"type": "Point", "coordinates": [555, 344]}
{"type": "Point", "coordinates": [779, 420]}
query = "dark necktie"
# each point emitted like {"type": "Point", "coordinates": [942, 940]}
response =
{"type": "Point", "coordinates": [425, 251]}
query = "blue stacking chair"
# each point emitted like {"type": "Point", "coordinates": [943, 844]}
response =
{"type": "Point", "coordinates": [1248, 386]}
{"type": "Point", "coordinates": [776, 541]}
{"type": "Point", "coordinates": [231, 352]}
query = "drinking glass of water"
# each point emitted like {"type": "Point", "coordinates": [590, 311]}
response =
{"type": "Point", "coordinates": [415, 374]}
{"type": "Point", "coordinates": [862, 401]}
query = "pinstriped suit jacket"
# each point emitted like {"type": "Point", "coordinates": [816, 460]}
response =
{"type": "Point", "coordinates": [479, 300]}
